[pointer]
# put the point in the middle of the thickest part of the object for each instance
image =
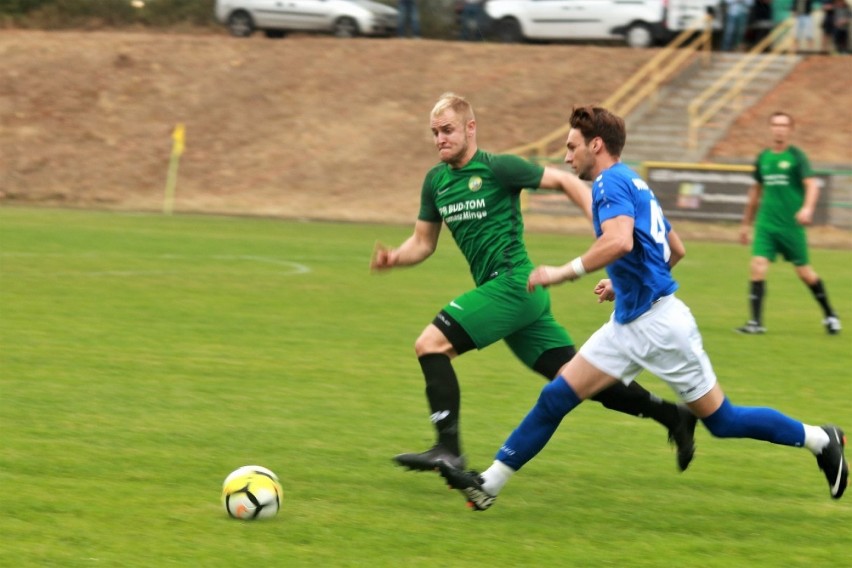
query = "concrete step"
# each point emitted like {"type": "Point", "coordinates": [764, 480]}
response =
{"type": "Point", "coordinates": [683, 100]}
{"type": "Point", "coordinates": [659, 128]}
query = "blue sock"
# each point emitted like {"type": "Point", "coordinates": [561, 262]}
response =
{"type": "Point", "coordinates": [765, 424]}
{"type": "Point", "coordinates": [555, 401]}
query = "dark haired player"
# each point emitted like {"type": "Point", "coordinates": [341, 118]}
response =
{"type": "Point", "coordinates": [650, 327]}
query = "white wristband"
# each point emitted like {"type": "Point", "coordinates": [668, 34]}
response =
{"type": "Point", "coordinates": [577, 267]}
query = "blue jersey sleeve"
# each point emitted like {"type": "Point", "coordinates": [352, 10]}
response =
{"type": "Point", "coordinates": [613, 198]}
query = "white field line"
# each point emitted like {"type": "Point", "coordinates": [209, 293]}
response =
{"type": "Point", "coordinates": [291, 267]}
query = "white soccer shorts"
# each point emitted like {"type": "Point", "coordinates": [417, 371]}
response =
{"type": "Point", "coordinates": [664, 341]}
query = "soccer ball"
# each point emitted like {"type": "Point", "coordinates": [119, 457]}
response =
{"type": "Point", "coordinates": [251, 492]}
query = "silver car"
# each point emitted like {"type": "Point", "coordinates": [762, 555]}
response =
{"type": "Point", "coordinates": [342, 18]}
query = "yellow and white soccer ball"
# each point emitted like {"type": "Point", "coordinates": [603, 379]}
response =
{"type": "Point", "coordinates": [251, 492]}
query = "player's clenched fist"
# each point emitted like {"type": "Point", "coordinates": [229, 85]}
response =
{"type": "Point", "coordinates": [549, 275]}
{"type": "Point", "coordinates": [383, 257]}
{"type": "Point", "coordinates": [545, 276]}
{"type": "Point", "coordinates": [604, 291]}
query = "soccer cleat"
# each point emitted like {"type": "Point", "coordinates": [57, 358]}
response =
{"type": "Point", "coordinates": [683, 436]}
{"type": "Point", "coordinates": [832, 325]}
{"type": "Point", "coordinates": [751, 328]}
{"type": "Point", "coordinates": [833, 463]}
{"type": "Point", "coordinates": [428, 460]}
{"type": "Point", "coordinates": [469, 483]}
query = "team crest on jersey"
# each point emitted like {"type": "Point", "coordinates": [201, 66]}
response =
{"type": "Point", "coordinates": [784, 165]}
{"type": "Point", "coordinates": [474, 183]}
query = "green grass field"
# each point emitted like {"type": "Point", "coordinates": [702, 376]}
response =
{"type": "Point", "coordinates": [143, 357]}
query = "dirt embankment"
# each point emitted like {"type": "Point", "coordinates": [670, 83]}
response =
{"type": "Point", "coordinates": [311, 126]}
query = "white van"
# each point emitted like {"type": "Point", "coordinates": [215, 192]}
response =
{"type": "Point", "coordinates": [640, 23]}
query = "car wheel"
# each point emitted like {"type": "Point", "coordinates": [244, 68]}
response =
{"type": "Point", "coordinates": [345, 27]}
{"type": "Point", "coordinates": [240, 24]}
{"type": "Point", "coordinates": [508, 30]}
{"type": "Point", "coordinates": [639, 35]}
{"type": "Point", "coordinates": [274, 34]}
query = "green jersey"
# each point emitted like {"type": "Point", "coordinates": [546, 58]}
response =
{"type": "Point", "coordinates": [480, 204]}
{"type": "Point", "coordinates": [782, 175]}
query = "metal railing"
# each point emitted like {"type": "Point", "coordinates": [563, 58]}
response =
{"type": "Point", "coordinates": [729, 87]}
{"type": "Point", "coordinates": [643, 85]}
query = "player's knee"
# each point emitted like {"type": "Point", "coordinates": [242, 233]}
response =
{"type": "Point", "coordinates": [432, 341]}
{"type": "Point", "coordinates": [425, 347]}
{"type": "Point", "coordinates": [546, 399]}
{"type": "Point", "coordinates": [557, 398]}
{"type": "Point", "coordinates": [759, 267]}
{"type": "Point", "coordinates": [425, 344]}
{"type": "Point", "coordinates": [807, 274]}
{"type": "Point", "coordinates": [721, 429]}
{"type": "Point", "coordinates": [724, 423]}
{"type": "Point", "coordinates": [551, 361]}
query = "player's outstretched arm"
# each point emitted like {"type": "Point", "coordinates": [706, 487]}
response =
{"type": "Point", "coordinates": [752, 202]}
{"type": "Point", "coordinates": [572, 186]}
{"type": "Point", "coordinates": [416, 248]}
{"type": "Point", "coordinates": [549, 275]}
{"type": "Point", "coordinates": [678, 250]}
{"type": "Point", "coordinates": [805, 215]}
{"type": "Point", "coordinates": [615, 241]}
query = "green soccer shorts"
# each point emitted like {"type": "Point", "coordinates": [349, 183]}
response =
{"type": "Point", "coordinates": [791, 243]}
{"type": "Point", "coordinates": [502, 308]}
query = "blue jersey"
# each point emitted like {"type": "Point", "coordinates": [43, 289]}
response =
{"type": "Point", "coordinates": [642, 276]}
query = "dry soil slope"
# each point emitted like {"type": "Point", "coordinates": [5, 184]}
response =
{"type": "Point", "coordinates": [306, 126]}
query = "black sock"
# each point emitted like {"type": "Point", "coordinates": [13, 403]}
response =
{"type": "Point", "coordinates": [756, 293]}
{"type": "Point", "coordinates": [637, 401]}
{"type": "Point", "coordinates": [444, 395]}
{"type": "Point", "coordinates": [818, 290]}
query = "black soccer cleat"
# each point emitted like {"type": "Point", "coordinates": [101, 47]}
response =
{"type": "Point", "coordinates": [833, 463]}
{"type": "Point", "coordinates": [469, 483]}
{"type": "Point", "coordinates": [751, 328]}
{"type": "Point", "coordinates": [832, 325]}
{"type": "Point", "coordinates": [683, 436]}
{"type": "Point", "coordinates": [428, 460]}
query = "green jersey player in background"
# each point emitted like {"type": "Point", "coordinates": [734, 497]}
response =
{"type": "Point", "coordinates": [783, 199]}
{"type": "Point", "coordinates": [477, 195]}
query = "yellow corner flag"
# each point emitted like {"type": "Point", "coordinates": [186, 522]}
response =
{"type": "Point", "coordinates": [179, 136]}
{"type": "Point", "coordinates": [178, 145]}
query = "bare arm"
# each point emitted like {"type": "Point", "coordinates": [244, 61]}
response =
{"type": "Point", "coordinates": [754, 194]}
{"type": "Point", "coordinates": [805, 215]}
{"type": "Point", "coordinates": [570, 185]}
{"type": "Point", "coordinates": [615, 241]}
{"type": "Point", "coordinates": [416, 248]}
{"type": "Point", "coordinates": [678, 250]}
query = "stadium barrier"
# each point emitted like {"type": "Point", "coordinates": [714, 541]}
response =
{"type": "Point", "coordinates": [710, 193]}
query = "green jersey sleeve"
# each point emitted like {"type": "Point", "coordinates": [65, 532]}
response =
{"type": "Point", "coordinates": [758, 177]}
{"type": "Point", "coordinates": [516, 173]}
{"type": "Point", "coordinates": [803, 165]}
{"type": "Point", "coordinates": [428, 209]}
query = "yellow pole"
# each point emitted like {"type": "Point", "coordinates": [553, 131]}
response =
{"type": "Point", "coordinates": [178, 139]}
